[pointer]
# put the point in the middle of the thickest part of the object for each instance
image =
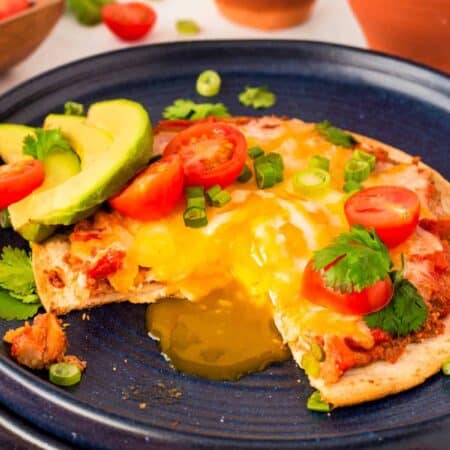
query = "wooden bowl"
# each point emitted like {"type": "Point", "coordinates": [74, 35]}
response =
{"type": "Point", "coordinates": [21, 34]}
{"type": "Point", "coordinates": [415, 29]}
{"type": "Point", "coordinates": [266, 14]}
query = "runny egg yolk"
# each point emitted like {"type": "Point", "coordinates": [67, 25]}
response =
{"type": "Point", "coordinates": [222, 336]}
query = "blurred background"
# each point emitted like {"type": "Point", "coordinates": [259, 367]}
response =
{"type": "Point", "coordinates": [39, 35]}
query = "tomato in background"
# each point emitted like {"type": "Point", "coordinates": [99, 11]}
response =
{"type": "Point", "coordinates": [370, 299]}
{"type": "Point", "coordinates": [212, 153]}
{"type": "Point", "coordinates": [129, 21]}
{"type": "Point", "coordinates": [10, 8]}
{"type": "Point", "coordinates": [393, 211]}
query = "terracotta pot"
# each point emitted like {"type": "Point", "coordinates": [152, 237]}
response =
{"type": "Point", "coordinates": [266, 14]}
{"type": "Point", "coordinates": [415, 29]}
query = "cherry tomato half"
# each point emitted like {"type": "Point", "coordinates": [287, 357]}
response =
{"type": "Point", "coordinates": [130, 21]}
{"type": "Point", "coordinates": [393, 212]}
{"type": "Point", "coordinates": [212, 153]}
{"type": "Point", "coordinates": [19, 179]}
{"type": "Point", "coordinates": [12, 7]}
{"type": "Point", "coordinates": [153, 193]}
{"type": "Point", "coordinates": [370, 299]}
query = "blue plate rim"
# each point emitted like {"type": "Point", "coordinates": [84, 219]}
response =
{"type": "Point", "coordinates": [420, 74]}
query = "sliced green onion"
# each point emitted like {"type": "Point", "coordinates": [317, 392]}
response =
{"type": "Point", "coordinates": [195, 191]}
{"type": "Point", "coordinates": [212, 192]}
{"type": "Point", "coordinates": [5, 220]}
{"type": "Point", "coordinates": [277, 162]}
{"type": "Point", "coordinates": [197, 202]}
{"type": "Point", "coordinates": [319, 162]}
{"type": "Point", "coordinates": [446, 367]}
{"type": "Point", "coordinates": [365, 156]}
{"type": "Point", "coordinates": [311, 181]}
{"type": "Point", "coordinates": [64, 374]}
{"type": "Point", "coordinates": [195, 217]}
{"type": "Point", "coordinates": [265, 174]}
{"type": "Point", "coordinates": [245, 175]}
{"type": "Point", "coordinates": [187, 26]}
{"type": "Point", "coordinates": [316, 403]}
{"type": "Point", "coordinates": [208, 83]}
{"type": "Point", "coordinates": [73, 109]}
{"type": "Point", "coordinates": [310, 365]}
{"type": "Point", "coordinates": [352, 186]}
{"type": "Point", "coordinates": [221, 199]}
{"type": "Point", "coordinates": [317, 352]}
{"type": "Point", "coordinates": [356, 170]}
{"type": "Point", "coordinates": [255, 152]}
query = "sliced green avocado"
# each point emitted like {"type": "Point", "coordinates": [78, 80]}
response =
{"type": "Point", "coordinates": [88, 141]}
{"type": "Point", "coordinates": [11, 141]}
{"type": "Point", "coordinates": [58, 166]}
{"type": "Point", "coordinates": [106, 173]}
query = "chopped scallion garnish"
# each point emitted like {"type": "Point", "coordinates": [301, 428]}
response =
{"type": "Point", "coordinates": [311, 182]}
{"type": "Point", "coordinates": [352, 186]}
{"type": "Point", "coordinates": [245, 175]}
{"type": "Point", "coordinates": [365, 156]}
{"type": "Point", "coordinates": [265, 174]}
{"type": "Point", "coordinates": [316, 403]}
{"type": "Point", "coordinates": [208, 83]}
{"type": "Point", "coordinates": [356, 170]}
{"type": "Point", "coordinates": [221, 199]}
{"type": "Point", "coordinates": [310, 365]}
{"type": "Point", "coordinates": [64, 374]}
{"type": "Point", "coordinates": [255, 152]}
{"type": "Point", "coordinates": [195, 191]}
{"type": "Point", "coordinates": [195, 217]}
{"type": "Point", "coordinates": [212, 192]}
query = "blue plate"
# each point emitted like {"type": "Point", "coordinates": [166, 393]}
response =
{"type": "Point", "coordinates": [402, 104]}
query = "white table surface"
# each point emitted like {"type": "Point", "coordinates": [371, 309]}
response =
{"type": "Point", "coordinates": [331, 21]}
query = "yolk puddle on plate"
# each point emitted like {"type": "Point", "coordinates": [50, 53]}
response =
{"type": "Point", "coordinates": [222, 336]}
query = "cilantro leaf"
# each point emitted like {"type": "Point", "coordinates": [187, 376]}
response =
{"type": "Point", "coordinates": [45, 142]}
{"type": "Point", "coordinates": [405, 313]}
{"type": "Point", "coordinates": [335, 135]}
{"type": "Point", "coordinates": [16, 274]}
{"type": "Point", "coordinates": [13, 309]}
{"type": "Point", "coordinates": [187, 109]}
{"type": "Point", "coordinates": [257, 97]}
{"type": "Point", "coordinates": [362, 260]}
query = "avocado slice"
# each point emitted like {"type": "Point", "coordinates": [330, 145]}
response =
{"type": "Point", "coordinates": [11, 141]}
{"type": "Point", "coordinates": [88, 141]}
{"type": "Point", "coordinates": [58, 166]}
{"type": "Point", "coordinates": [128, 124]}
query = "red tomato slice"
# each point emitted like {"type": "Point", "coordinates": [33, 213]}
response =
{"type": "Point", "coordinates": [392, 210]}
{"type": "Point", "coordinates": [153, 193]}
{"type": "Point", "coordinates": [19, 179]}
{"type": "Point", "coordinates": [212, 153]}
{"type": "Point", "coordinates": [370, 299]}
{"type": "Point", "coordinates": [11, 7]}
{"type": "Point", "coordinates": [130, 21]}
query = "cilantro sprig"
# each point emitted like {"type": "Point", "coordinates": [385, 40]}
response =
{"type": "Point", "coordinates": [406, 312]}
{"type": "Point", "coordinates": [360, 260]}
{"type": "Point", "coordinates": [45, 142]}
{"type": "Point", "coordinates": [187, 109]}
{"type": "Point", "coordinates": [335, 135]}
{"type": "Point", "coordinates": [13, 309]}
{"type": "Point", "coordinates": [16, 275]}
{"type": "Point", "coordinates": [257, 97]}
